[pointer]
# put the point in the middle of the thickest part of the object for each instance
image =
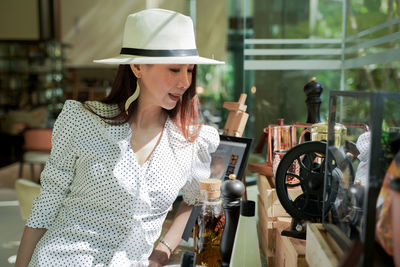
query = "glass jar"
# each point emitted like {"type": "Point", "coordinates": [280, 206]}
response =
{"type": "Point", "coordinates": [209, 224]}
{"type": "Point", "coordinates": [319, 132]}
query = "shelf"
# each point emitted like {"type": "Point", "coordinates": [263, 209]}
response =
{"type": "Point", "coordinates": [28, 72]}
{"type": "Point", "coordinates": [32, 73]}
{"type": "Point", "coordinates": [36, 57]}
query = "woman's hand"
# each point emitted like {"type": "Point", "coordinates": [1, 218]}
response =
{"type": "Point", "coordinates": [158, 258]}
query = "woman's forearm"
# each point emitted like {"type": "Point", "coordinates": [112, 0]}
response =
{"type": "Point", "coordinates": [173, 237]}
{"type": "Point", "coordinates": [30, 238]}
{"type": "Point", "coordinates": [174, 233]}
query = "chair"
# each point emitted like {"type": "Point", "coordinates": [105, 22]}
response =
{"type": "Point", "coordinates": [36, 149]}
{"type": "Point", "coordinates": [26, 191]}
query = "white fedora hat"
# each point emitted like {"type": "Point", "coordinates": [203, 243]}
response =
{"type": "Point", "coordinates": [158, 36]}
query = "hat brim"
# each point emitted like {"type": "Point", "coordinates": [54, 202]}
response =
{"type": "Point", "coordinates": [127, 59]}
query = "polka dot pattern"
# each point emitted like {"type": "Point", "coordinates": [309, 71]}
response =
{"type": "Point", "coordinates": [101, 208]}
{"type": "Point", "coordinates": [363, 145]}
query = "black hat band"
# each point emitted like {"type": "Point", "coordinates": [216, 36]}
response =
{"type": "Point", "coordinates": [159, 53]}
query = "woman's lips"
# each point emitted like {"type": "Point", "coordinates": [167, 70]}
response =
{"type": "Point", "coordinates": [174, 97]}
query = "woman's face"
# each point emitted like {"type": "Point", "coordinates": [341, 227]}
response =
{"type": "Point", "coordinates": [163, 85]}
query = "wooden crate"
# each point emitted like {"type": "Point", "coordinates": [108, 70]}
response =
{"type": "Point", "coordinates": [269, 254]}
{"type": "Point", "coordinates": [270, 199]}
{"type": "Point", "coordinates": [290, 252]}
{"type": "Point", "coordinates": [321, 249]}
{"type": "Point", "coordinates": [281, 222]}
{"type": "Point", "coordinates": [267, 228]}
{"type": "Point", "coordinates": [266, 225]}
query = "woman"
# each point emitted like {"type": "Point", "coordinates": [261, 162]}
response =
{"type": "Point", "coordinates": [117, 166]}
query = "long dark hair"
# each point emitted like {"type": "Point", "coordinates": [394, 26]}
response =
{"type": "Point", "coordinates": [185, 115]}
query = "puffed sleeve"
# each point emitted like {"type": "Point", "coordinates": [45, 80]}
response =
{"type": "Point", "coordinates": [59, 170]}
{"type": "Point", "coordinates": [205, 144]}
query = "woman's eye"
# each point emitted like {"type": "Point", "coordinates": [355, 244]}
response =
{"type": "Point", "coordinates": [175, 70]}
{"type": "Point", "coordinates": [190, 70]}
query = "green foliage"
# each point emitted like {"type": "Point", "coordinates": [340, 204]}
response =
{"type": "Point", "coordinates": [279, 93]}
{"type": "Point", "coordinates": [214, 83]}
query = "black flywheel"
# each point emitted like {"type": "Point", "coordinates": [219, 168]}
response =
{"type": "Point", "coordinates": [304, 164]}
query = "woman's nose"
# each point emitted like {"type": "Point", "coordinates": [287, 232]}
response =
{"type": "Point", "coordinates": [184, 79]}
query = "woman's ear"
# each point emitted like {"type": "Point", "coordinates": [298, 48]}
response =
{"type": "Point", "coordinates": [136, 69]}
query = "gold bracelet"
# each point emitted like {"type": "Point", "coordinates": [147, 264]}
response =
{"type": "Point", "coordinates": [162, 241]}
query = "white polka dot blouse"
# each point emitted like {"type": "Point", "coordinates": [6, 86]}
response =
{"type": "Point", "coordinates": [101, 208]}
